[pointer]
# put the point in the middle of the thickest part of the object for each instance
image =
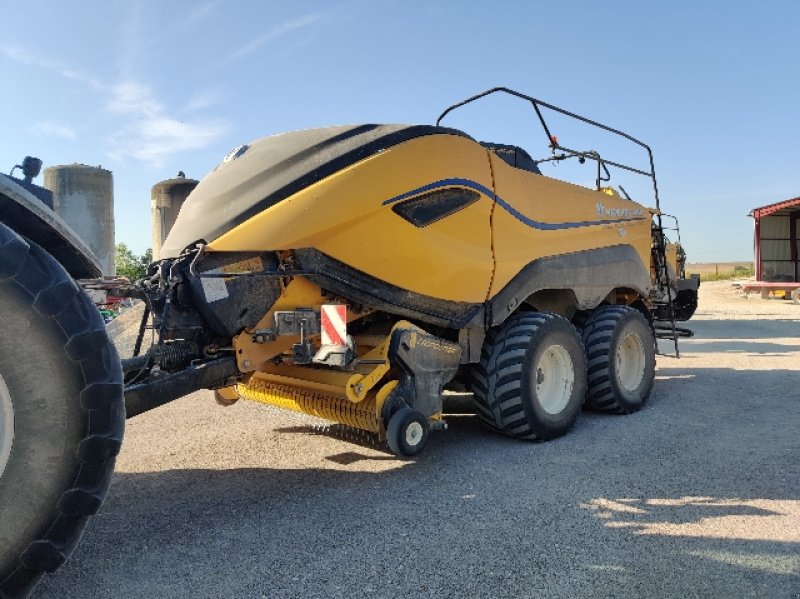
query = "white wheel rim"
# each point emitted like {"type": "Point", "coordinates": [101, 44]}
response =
{"type": "Point", "coordinates": [555, 378]}
{"type": "Point", "coordinates": [6, 425]}
{"type": "Point", "coordinates": [414, 434]}
{"type": "Point", "coordinates": [630, 362]}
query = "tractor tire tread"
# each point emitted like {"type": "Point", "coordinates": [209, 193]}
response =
{"type": "Point", "coordinates": [597, 335]}
{"type": "Point", "coordinates": [502, 362]}
{"type": "Point", "coordinates": [55, 296]}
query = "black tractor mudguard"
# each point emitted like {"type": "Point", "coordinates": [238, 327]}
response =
{"type": "Point", "coordinates": [28, 216]}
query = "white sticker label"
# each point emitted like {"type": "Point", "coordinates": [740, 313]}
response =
{"type": "Point", "coordinates": [214, 289]}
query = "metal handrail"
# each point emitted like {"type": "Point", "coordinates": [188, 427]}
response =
{"type": "Point", "coordinates": [553, 140]}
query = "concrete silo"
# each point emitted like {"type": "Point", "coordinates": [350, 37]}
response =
{"type": "Point", "coordinates": [166, 199]}
{"type": "Point", "coordinates": [84, 197]}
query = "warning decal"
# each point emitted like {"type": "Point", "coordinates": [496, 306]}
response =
{"type": "Point", "coordinates": [333, 321]}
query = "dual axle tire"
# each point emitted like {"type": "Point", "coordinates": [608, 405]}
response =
{"type": "Point", "coordinates": [620, 351]}
{"type": "Point", "coordinates": [61, 413]}
{"type": "Point", "coordinates": [531, 379]}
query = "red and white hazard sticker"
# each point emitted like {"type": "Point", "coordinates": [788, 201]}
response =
{"type": "Point", "coordinates": [333, 320]}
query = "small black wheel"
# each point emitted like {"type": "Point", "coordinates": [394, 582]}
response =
{"type": "Point", "coordinates": [407, 433]}
{"type": "Point", "coordinates": [620, 350]}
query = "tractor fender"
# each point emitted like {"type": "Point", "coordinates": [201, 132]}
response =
{"type": "Point", "coordinates": [24, 213]}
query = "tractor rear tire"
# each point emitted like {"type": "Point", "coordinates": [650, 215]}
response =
{"type": "Point", "coordinates": [530, 382]}
{"type": "Point", "coordinates": [61, 413]}
{"type": "Point", "coordinates": [620, 349]}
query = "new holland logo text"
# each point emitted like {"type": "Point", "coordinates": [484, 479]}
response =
{"type": "Point", "coordinates": [618, 212]}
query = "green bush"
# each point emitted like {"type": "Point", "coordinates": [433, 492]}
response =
{"type": "Point", "coordinates": [130, 265]}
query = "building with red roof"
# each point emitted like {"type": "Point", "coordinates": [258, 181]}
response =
{"type": "Point", "coordinates": [776, 241]}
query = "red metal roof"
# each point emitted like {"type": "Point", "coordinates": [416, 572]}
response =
{"type": "Point", "coordinates": [758, 213]}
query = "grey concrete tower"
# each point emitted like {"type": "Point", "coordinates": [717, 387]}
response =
{"type": "Point", "coordinates": [166, 199]}
{"type": "Point", "coordinates": [84, 197]}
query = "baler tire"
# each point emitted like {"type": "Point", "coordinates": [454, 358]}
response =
{"type": "Point", "coordinates": [62, 384]}
{"type": "Point", "coordinates": [407, 433]}
{"type": "Point", "coordinates": [508, 383]}
{"type": "Point", "coordinates": [620, 350]}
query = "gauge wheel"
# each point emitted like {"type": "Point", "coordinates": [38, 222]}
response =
{"type": "Point", "coordinates": [407, 433]}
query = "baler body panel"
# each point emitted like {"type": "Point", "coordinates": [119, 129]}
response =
{"type": "Point", "coordinates": [349, 217]}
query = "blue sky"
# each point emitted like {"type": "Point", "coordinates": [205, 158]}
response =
{"type": "Point", "coordinates": [148, 88]}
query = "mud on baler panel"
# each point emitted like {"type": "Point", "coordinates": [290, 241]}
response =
{"type": "Point", "coordinates": [394, 390]}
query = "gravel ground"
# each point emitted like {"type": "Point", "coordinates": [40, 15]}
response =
{"type": "Point", "coordinates": [698, 495]}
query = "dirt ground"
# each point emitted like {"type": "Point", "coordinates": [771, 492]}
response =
{"type": "Point", "coordinates": [697, 495]}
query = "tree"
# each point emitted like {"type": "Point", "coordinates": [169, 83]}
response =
{"type": "Point", "coordinates": [130, 265]}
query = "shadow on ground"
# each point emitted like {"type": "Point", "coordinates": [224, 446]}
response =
{"type": "Point", "coordinates": [685, 498]}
